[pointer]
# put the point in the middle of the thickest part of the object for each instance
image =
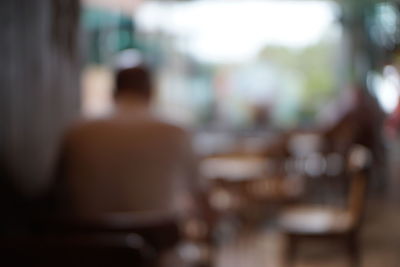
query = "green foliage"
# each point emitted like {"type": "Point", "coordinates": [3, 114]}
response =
{"type": "Point", "coordinates": [314, 66]}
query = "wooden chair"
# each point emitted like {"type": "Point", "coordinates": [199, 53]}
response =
{"type": "Point", "coordinates": [160, 233]}
{"type": "Point", "coordinates": [332, 223]}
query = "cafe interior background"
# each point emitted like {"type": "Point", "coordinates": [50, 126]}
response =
{"type": "Point", "coordinates": [272, 91]}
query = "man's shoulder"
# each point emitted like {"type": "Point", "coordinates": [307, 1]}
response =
{"type": "Point", "coordinates": [172, 132]}
{"type": "Point", "coordinates": [87, 126]}
{"type": "Point", "coordinates": [84, 126]}
{"type": "Point", "coordinates": [170, 127]}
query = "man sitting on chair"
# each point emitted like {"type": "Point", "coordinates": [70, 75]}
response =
{"type": "Point", "coordinates": [130, 160]}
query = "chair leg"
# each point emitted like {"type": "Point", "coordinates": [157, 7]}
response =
{"type": "Point", "coordinates": [291, 250]}
{"type": "Point", "coordinates": [353, 247]}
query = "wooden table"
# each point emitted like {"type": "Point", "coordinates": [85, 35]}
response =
{"type": "Point", "coordinates": [240, 181]}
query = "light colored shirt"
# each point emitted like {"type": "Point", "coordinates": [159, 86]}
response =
{"type": "Point", "coordinates": [128, 162]}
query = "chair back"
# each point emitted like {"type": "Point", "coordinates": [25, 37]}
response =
{"type": "Point", "coordinates": [78, 250]}
{"type": "Point", "coordinates": [159, 230]}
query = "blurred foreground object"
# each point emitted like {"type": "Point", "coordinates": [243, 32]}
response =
{"type": "Point", "coordinates": [159, 234]}
{"type": "Point", "coordinates": [39, 87]}
{"type": "Point", "coordinates": [80, 250]}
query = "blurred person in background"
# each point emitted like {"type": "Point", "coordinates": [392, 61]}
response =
{"type": "Point", "coordinates": [359, 120]}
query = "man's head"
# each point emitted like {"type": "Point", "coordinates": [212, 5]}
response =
{"type": "Point", "coordinates": [133, 82]}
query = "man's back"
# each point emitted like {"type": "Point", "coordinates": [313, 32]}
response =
{"type": "Point", "coordinates": [128, 162]}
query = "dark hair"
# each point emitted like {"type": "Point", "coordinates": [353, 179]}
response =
{"type": "Point", "coordinates": [135, 80]}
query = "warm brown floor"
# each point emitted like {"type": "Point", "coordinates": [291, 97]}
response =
{"type": "Point", "coordinates": [380, 245]}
